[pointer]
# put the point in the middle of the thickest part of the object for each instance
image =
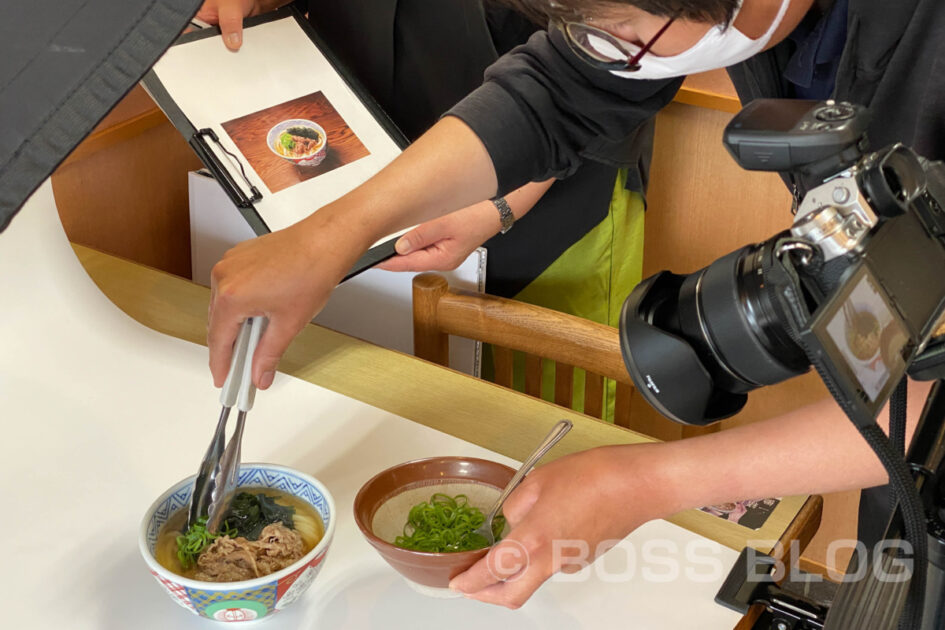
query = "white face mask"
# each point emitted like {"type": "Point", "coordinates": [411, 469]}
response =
{"type": "Point", "coordinates": [719, 48]}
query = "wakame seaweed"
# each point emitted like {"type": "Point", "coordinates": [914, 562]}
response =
{"type": "Point", "coordinates": [304, 132]}
{"type": "Point", "coordinates": [250, 513]}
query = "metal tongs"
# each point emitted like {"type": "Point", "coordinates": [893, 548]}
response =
{"type": "Point", "coordinates": [217, 475]}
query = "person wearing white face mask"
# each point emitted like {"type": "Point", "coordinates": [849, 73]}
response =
{"type": "Point", "coordinates": [543, 109]}
{"type": "Point", "coordinates": [722, 45]}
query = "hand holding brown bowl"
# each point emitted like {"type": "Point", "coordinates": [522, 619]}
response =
{"type": "Point", "coordinates": [382, 506]}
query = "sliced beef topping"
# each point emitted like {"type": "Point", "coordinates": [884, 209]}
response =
{"type": "Point", "coordinates": [234, 559]}
{"type": "Point", "coordinates": [227, 560]}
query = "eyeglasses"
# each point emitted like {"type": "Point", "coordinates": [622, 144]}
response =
{"type": "Point", "coordinates": [603, 50]}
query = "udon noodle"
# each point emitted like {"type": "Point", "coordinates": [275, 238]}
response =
{"type": "Point", "coordinates": [297, 142]}
{"type": "Point", "coordinates": [305, 521]}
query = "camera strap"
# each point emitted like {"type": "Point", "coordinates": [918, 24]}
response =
{"type": "Point", "coordinates": [897, 423]}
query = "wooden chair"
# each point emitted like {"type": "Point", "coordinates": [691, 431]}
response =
{"type": "Point", "coordinates": [541, 333]}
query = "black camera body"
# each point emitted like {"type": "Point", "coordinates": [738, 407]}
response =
{"type": "Point", "coordinates": [855, 287]}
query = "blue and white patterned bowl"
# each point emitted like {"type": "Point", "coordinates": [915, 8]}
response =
{"type": "Point", "coordinates": [250, 599]}
{"type": "Point", "coordinates": [312, 159]}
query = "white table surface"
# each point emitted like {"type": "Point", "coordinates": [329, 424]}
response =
{"type": "Point", "coordinates": [100, 415]}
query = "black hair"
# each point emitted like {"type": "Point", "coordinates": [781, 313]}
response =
{"type": "Point", "coordinates": [540, 11]}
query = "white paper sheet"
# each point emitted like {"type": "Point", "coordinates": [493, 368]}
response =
{"type": "Point", "coordinates": [277, 63]}
{"type": "Point", "coordinates": [376, 305]}
{"type": "Point", "coordinates": [100, 415]}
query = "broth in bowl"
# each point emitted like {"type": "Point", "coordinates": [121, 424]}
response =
{"type": "Point", "coordinates": [294, 502]}
{"type": "Point", "coordinates": [255, 539]}
{"type": "Point", "coordinates": [298, 142]}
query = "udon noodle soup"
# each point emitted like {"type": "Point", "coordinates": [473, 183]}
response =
{"type": "Point", "coordinates": [298, 142]}
{"type": "Point", "coordinates": [230, 559]}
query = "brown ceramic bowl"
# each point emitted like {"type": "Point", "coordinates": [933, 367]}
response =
{"type": "Point", "coordinates": [383, 503]}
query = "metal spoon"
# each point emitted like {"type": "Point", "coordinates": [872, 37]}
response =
{"type": "Point", "coordinates": [553, 437]}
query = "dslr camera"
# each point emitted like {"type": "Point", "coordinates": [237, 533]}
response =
{"type": "Point", "coordinates": [855, 287]}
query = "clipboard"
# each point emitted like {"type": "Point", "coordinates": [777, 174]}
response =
{"type": "Point", "coordinates": [224, 103]}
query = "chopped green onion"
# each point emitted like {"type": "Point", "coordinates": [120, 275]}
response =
{"type": "Point", "coordinates": [286, 140]}
{"type": "Point", "coordinates": [446, 524]}
{"type": "Point", "coordinates": [196, 540]}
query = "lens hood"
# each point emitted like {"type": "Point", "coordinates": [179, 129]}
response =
{"type": "Point", "coordinates": [665, 367]}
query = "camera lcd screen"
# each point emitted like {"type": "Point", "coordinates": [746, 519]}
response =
{"type": "Point", "coordinates": [864, 338]}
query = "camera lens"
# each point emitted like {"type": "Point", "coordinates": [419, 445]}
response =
{"type": "Point", "coordinates": [719, 331]}
{"type": "Point", "coordinates": [741, 325]}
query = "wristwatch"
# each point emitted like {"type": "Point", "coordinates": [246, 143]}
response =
{"type": "Point", "coordinates": [505, 214]}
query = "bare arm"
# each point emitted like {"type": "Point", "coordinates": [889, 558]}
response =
{"type": "Point", "coordinates": [525, 198]}
{"type": "Point", "coordinates": [445, 169]}
{"type": "Point", "coordinates": [604, 494]}
{"type": "Point", "coordinates": [444, 243]}
{"type": "Point", "coordinates": [288, 275]}
{"type": "Point", "coordinates": [812, 450]}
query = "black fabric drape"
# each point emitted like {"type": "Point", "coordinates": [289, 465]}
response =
{"type": "Point", "coordinates": [63, 65]}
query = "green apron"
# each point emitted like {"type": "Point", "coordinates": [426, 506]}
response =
{"type": "Point", "coordinates": [590, 279]}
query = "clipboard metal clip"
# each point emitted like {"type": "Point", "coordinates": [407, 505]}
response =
{"type": "Point", "coordinates": [244, 196]}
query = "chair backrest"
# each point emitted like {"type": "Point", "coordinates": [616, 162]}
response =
{"type": "Point", "coordinates": [541, 333]}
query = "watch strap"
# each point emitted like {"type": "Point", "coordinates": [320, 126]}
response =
{"type": "Point", "coordinates": [505, 214]}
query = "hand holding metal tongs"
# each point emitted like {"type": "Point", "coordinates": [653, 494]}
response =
{"type": "Point", "coordinates": [217, 475]}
